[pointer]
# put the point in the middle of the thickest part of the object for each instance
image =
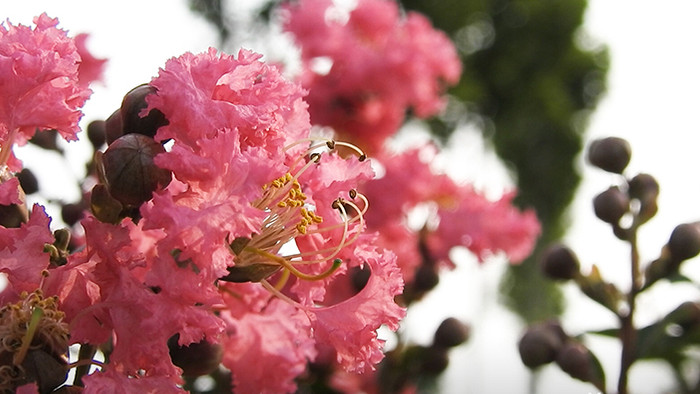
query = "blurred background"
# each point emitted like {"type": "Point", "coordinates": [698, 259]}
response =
{"type": "Point", "coordinates": [541, 79]}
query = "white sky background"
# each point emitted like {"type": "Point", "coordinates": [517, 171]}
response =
{"type": "Point", "coordinates": [652, 101]}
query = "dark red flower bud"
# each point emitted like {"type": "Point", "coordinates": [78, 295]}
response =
{"type": "Point", "coordinates": [28, 181]}
{"type": "Point", "coordinates": [133, 103]}
{"type": "Point", "coordinates": [541, 343]}
{"type": "Point", "coordinates": [576, 360]}
{"type": "Point", "coordinates": [559, 262]}
{"type": "Point", "coordinates": [643, 186]}
{"type": "Point", "coordinates": [610, 205]}
{"type": "Point", "coordinates": [451, 333]}
{"type": "Point", "coordinates": [113, 127]}
{"type": "Point", "coordinates": [72, 213]}
{"type": "Point", "coordinates": [684, 242]}
{"type": "Point", "coordinates": [97, 133]}
{"type": "Point", "coordinates": [195, 359]}
{"type": "Point", "coordinates": [426, 278]}
{"type": "Point", "coordinates": [131, 174]}
{"type": "Point", "coordinates": [611, 154]}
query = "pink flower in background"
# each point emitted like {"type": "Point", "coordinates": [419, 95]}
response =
{"type": "Point", "coordinates": [41, 90]}
{"type": "Point", "coordinates": [457, 215]}
{"type": "Point", "coordinates": [485, 227]}
{"type": "Point", "coordinates": [365, 73]}
{"type": "Point", "coordinates": [90, 68]}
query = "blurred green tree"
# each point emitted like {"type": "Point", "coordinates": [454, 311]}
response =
{"type": "Point", "coordinates": [532, 86]}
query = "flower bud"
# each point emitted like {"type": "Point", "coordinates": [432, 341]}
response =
{"type": "Point", "coordinates": [131, 174]}
{"type": "Point", "coordinates": [46, 139]}
{"type": "Point", "coordinates": [72, 213]}
{"type": "Point", "coordinates": [28, 181]}
{"type": "Point", "coordinates": [195, 359]}
{"type": "Point", "coordinates": [576, 360]}
{"type": "Point", "coordinates": [426, 278]}
{"type": "Point", "coordinates": [540, 344]}
{"type": "Point", "coordinates": [113, 127]}
{"type": "Point", "coordinates": [611, 154]}
{"type": "Point", "coordinates": [643, 186]}
{"type": "Point", "coordinates": [684, 242]}
{"type": "Point", "coordinates": [451, 333]}
{"type": "Point", "coordinates": [96, 133]}
{"type": "Point", "coordinates": [559, 262]}
{"type": "Point", "coordinates": [133, 103]}
{"type": "Point", "coordinates": [645, 189]}
{"type": "Point", "coordinates": [610, 205]}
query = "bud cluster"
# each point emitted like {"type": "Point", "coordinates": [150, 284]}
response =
{"type": "Point", "coordinates": [128, 175]}
{"type": "Point", "coordinates": [625, 207]}
{"type": "Point", "coordinates": [547, 342]}
{"type": "Point", "coordinates": [404, 366]}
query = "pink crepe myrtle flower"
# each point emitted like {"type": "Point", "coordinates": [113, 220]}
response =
{"type": "Point", "coordinates": [485, 227]}
{"type": "Point", "coordinates": [41, 89]}
{"type": "Point", "coordinates": [458, 215]}
{"type": "Point", "coordinates": [382, 65]}
{"type": "Point", "coordinates": [269, 341]}
{"type": "Point", "coordinates": [248, 179]}
{"type": "Point", "coordinates": [90, 68]}
{"type": "Point", "coordinates": [111, 381]}
{"type": "Point", "coordinates": [22, 256]}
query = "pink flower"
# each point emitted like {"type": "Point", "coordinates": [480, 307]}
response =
{"type": "Point", "coordinates": [139, 317]}
{"type": "Point", "coordinates": [22, 256]}
{"type": "Point", "coordinates": [269, 343]}
{"type": "Point", "coordinates": [485, 227]}
{"type": "Point", "coordinates": [10, 192]}
{"type": "Point", "coordinates": [456, 215]}
{"type": "Point", "coordinates": [90, 68]}
{"type": "Point", "coordinates": [350, 327]}
{"type": "Point", "coordinates": [230, 120]}
{"type": "Point", "coordinates": [40, 83]}
{"type": "Point", "coordinates": [381, 66]}
{"type": "Point", "coordinates": [111, 381]}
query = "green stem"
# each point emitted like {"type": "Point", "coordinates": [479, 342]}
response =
{"type": "Point", "coordinates": [628, 332]}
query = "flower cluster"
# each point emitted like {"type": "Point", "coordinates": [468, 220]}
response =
{"type": "Point", "coordinates": [220, 228]}
{"type": "Point", "coordinates": [365, 70]}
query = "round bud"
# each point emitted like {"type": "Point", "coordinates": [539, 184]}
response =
{"type": "Point", "coordinates": [577, 361]}
{"type": "Point", "coordinates": [643, 186]}
{"type": "Point", "coordinates": [131, 174]}
{"type": "Point", "coordinates": [559, 262]}
{"type": "Point", "coordinates": [96, 133]}
{"type": "Point", "coordinates": [451, 333]}
{"type": "Point", "coordinates": [611, 154]}
{"type": "Point", "coordinates": [72, 213]}
{"type": "Point", "coordinates": [46, 139]}
{"type": "Point", "coordinates": [28, 181]}
{"type": "Point", "coordinates": [684, 242]}
{"type": "Point", "coordinates": [426, 278]}
{"type": "Point", "coordinates": [113, 127]}
{"type": "Point", "coordinates": [195, 359]}
{"type": "Point", "coordinates": [133, 104]}
{"type": "Point", "coordinates": [540, 344]}
{"type": "Point", "coordinates": [610, 205]}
